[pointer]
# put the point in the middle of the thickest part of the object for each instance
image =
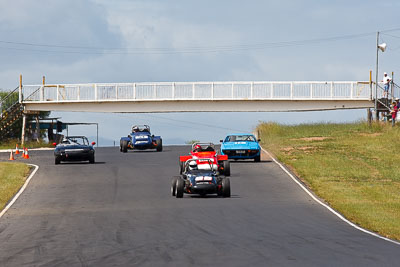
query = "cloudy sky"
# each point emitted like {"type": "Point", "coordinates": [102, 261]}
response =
{"type": "Point", "coordinates": [83, 41]}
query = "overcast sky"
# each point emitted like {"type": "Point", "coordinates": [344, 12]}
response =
{"type": "Point", "coordinates": [82, 41]}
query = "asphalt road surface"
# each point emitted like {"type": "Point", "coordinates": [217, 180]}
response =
{"type": "Point", "coordinates": [119, 212]}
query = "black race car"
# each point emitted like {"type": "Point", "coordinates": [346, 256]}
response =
{"type": "Point", "coordinates": [200, 181]}
{"type": "Point", "coordinates": [74, 148]}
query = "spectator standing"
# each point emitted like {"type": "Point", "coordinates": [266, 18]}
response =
{"type": "Point", "coordinates": [386, 84]}
{"type": "Point", "coordinates": [394, 113]}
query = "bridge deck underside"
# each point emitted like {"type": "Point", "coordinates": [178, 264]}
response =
{"type": "Point", "coordinates": [199, 105]}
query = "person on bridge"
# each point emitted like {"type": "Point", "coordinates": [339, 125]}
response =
{"type": "Point", "coordinates": [386, 84]}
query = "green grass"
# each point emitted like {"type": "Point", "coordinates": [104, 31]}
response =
{"type": "Point", "coordinates": [355, 168]}
{"type": "Point", "coordinates": [12, 177]}
{"type": "Point", "coordinates": [10, 144]}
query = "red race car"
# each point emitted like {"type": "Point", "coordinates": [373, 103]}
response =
{"type": "Point", "coordinates": [203, 152]}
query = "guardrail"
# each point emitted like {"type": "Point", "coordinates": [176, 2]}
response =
{"type": "Point", "coordinates": [60, 93]}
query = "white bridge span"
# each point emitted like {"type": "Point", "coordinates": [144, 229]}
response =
{"type": "Point", "coordinates": [197, 96]}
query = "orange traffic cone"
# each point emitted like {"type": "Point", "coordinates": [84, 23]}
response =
{"type": "Point", "coordinates": [11, 156]}
{"type": "Point", "coordinates": [23, 153]}
{"type": "Point", "coordinates": [16, 149]}
{"type": "Point", "coordinates": [26, 153]}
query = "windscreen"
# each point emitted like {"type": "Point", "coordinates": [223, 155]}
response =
{"type": "Point", "coordinates": [238, 138]}
{"type": "Point", "coordinates": [78, 140]}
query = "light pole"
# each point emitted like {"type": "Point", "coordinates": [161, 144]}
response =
{"type": "Point", "coordinates": [381, 47]}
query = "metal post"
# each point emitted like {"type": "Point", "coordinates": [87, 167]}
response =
{"type": "Point", "coordinates": [272, 90]}
{"type": "Point", "coordinates": [391, 86]}
{"type": "Point", "coordinates": [20, 88]}
{"type": "Point", "coordinates": [376, 78]}
{"type": "Point", "coordinates": [252, 90]}
{"type": "Point", "coordinates": [291, 90]}
{"type": "Point", "coordinates": [58, 92]}
{"type": "Point", "coordinates": [37, 128]}
{"type": "Point", "coordinates": [23, 129]}
{"type": "Point", "coordinates": [212, 91]}
{"type": "Point", "coordinates": [369, 116]}
{"type": "Point", "coordinates": [370, 85]}
{"type": "Point", "coordinates": [42, 89]}
{"type": "Point", "coordinates": [97, 134]}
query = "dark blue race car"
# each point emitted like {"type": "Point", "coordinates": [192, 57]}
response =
{"type": "Point", "coordinates": [74, 148]}
{"type": "Point", "coordinates": [241, 146]}
{"type": "Point", "coordinates": [200, 181]}
{"type": "Point", "coordinates": [141, 139]}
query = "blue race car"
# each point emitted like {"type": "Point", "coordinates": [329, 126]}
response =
{"type": "Point", "coordinates": [241, 146]}
{"type": "Point", "coordinates": [140, 138]}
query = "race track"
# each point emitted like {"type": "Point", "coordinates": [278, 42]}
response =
{"type": "Point", "coordinates": [119, 212]}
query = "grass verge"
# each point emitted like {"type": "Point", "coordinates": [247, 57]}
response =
{"type": "Point", "coordinates": [355, 168]}
{"type": "Point", "coordinates": [12, 177]}
{"type": "Point", "coordinates": [10, 144]}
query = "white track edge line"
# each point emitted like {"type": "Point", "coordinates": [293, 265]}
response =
{"type": "Point", "coordinates": [326, 206]}
{"type": "Point", "coordinates": [20, 190]}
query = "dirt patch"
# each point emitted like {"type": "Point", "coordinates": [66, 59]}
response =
{"type": "Point", "coordinates": [315, 138]}
{"type": "Point", "coordinates": [304, 148]}
{"type": "Point", "coordinates": [370, 134]}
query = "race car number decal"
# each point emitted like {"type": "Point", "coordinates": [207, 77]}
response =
{"type": "Point", "coordinates": [203, 179]}
{"type": "Point", "coordinates": [206, 160]}
{"type": "Point", "coordinates": [141, 137]}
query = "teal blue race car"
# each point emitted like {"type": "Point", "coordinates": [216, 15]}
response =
{"type": "Point", "coordinates": [241, 146]}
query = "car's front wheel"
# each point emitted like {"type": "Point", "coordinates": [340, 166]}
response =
{"type": "Point", "coordinates": [159, 145]}
{"type": "Point", "coordinates": [258, 158]}
{"type": "Point", "coordinates": [227, 168]}
{"type": "Point", "coordinates": [180, 186]}
{"type": "Point", "coordinates": [173, 185]}
{"type": "Point", "coordinates": [57, 160]}
{"type": "Point", "coordinates": [124, 146]}
{"type": "Point", "coordinates": [226, 187]}
{"type": "Point", "coordinates": [91, 159]}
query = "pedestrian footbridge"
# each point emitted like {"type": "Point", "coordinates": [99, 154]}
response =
{"type": "Point", "coordinates": [197, 96]}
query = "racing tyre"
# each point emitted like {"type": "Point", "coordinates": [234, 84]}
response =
{"type": "Point", "coordinates": [124, 146]}
{"type": "Point", "coordinates": [226, 187]}
{"type": "Point", "coordinates": [159, 145]}
{"type": "Point", "coordinates": [57, 160]}
{"type": "Point", "coordinates": [258, 158]}
{"type": "Point", "coordinates": [181, 166]}
{"type": "Point", "coordinates": [180, 186]}
{"type": "Point", "coordinates": [91, 159]}
{"type": "Point", "coordinates": [173, 185]}
{"type": "Point", "coordinates": [227, 168]}
{"type": "Point", "coordinates": [120, 146]}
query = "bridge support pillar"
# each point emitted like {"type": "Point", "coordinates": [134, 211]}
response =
{"type": "Point", "coordinates": [369, 116]}
{"type": "Point", "coordinates": [23, 129]}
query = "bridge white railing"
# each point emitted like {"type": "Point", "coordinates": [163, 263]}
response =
{"type": "Point", "coordinates": [61, 93]}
